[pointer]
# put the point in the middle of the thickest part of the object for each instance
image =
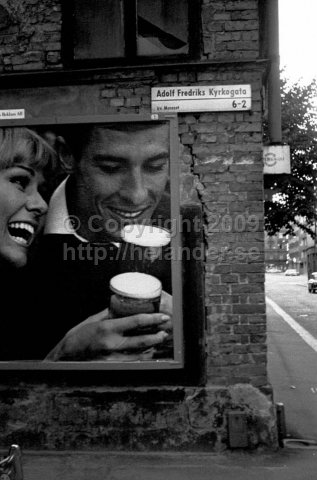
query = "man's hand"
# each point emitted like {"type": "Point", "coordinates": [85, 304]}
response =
{"type": "Point", "coordinates": [101, 335]}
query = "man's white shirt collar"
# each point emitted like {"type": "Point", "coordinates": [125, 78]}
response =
{"type": "Point", "coordinates": [58, 219]}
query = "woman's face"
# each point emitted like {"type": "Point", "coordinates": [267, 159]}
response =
{"type": "Point", "coordinates": [21, 211]}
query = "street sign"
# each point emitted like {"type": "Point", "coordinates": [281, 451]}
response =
{"type": "Point", "coordinates": [12, 114]}
{"type": "Point", "coordinates": [219, 98]}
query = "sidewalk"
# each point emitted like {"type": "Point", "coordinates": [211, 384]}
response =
{"type": "Point", "coordinates": [286, 464]}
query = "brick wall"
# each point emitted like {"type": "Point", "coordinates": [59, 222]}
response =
{"type": "Point", "coordinates": [32, 39]}
{"type": "Point", "coordinates": [221, 169]}
{"type": "Point", "coordinates": [230, 29]}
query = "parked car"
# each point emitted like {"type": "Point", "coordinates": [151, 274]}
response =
{"type": "Point", "coordinates": [312, 283]}
{"type": "Point", "coordinates": [291, 272]}
{"type": "Point", "coordinates": [273, 270]}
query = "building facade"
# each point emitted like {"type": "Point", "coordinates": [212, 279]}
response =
{"type": "Point", "coordinates": [299, 245]}
{"type": "Point", "coordinates": [57, 60]}
{"type": "Point", "coordinates": [276, 252]}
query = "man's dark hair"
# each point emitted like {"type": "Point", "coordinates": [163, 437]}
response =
{"type": "Point", "coordinates": [78, 135]}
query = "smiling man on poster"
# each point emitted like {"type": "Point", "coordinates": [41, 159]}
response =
{"type": "Point", "coordinates": [118, 176]}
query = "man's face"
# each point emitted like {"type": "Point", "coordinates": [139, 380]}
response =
{"type": "Point", "coordinates": [119, 180]}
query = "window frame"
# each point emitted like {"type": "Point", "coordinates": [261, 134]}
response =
{"type": "Point", "coordinates": [130, 57]}
{"type": "Point", "coordinates": [177, 361]}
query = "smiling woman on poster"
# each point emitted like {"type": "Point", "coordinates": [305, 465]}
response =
{"type": "Point", "coordinates": [25, 161]}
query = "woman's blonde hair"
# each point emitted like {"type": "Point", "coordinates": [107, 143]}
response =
{"type": "Point", "coordinates": [22, 145]}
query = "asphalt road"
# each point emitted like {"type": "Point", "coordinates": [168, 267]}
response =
{"type": "Point", "coordinates": [292, 363]}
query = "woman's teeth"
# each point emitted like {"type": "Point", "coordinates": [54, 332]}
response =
{"type": "Point", "coordinates": [21, 232]}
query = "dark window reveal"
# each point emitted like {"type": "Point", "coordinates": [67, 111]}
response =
{"type": "Point", "coordinates": [116, 31]}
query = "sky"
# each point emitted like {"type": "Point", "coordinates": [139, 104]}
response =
{"type": "Point", "coordinates": [298, 39]}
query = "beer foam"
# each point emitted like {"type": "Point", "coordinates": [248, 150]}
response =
{"type": "Point", "coordinates": [146, 235]}
{"type": "Point", "coordinates": [136, 285]}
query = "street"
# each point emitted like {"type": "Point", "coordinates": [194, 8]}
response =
{"type": "Point", "coordinates": [292, 351]}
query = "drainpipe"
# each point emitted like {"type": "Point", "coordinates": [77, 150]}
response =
{"type": "Point", "coordinates": [274, 93]}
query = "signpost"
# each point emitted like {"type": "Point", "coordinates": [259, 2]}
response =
{"type": "Point", "coordinates": [219, 98]}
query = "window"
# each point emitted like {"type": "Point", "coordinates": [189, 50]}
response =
{"type": "Point", "coordinates": [130, 31]}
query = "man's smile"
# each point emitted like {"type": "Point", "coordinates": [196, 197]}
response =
{"type": "Point", "coordinates": [128, 214]}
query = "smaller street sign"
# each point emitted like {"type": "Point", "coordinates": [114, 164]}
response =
{"type": "Point", "coordinates": [12, 114]}
{"type": "Point", "coordinates": [276, 159]}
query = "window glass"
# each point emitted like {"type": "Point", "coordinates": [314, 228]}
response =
{"type": "Point", "coordinates": [98, 28]}
{"type": "Point", "coordinates": [129, 29]}
{"type": "Point", "coordinates": [162, 27]}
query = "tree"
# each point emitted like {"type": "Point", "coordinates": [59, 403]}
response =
{"type": "Point", "coordinates": [294, 203]}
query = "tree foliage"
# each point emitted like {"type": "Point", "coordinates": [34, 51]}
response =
{"type": "Point", "coordinates": [294, 202]}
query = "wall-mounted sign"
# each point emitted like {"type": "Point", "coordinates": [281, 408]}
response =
{"type": "Point", "coordinates": [276, 159]}
{"type": "Point", "coordinates": [219, 98]}
{"type": "Point", "coordinates": [12, 114]}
